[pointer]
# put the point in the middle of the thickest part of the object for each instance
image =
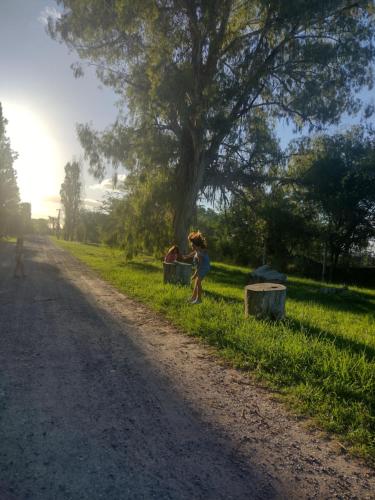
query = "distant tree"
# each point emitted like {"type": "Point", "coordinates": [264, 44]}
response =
{"type": "Point", "coordinates": [115, 209]}
{"type": "Point", "coordinates": [211, 223]}
{"type": "Point", "coordinates": [140, 220]}
{"type": "Point", "coordinates": [41, 226]}
{"type": "Point", "coordinates": [288, 227]}
{"type": "Point", "coordinates": [9, 193]}
{"type": "Point", "coordinates": [241, 237]}
{"type": "Point", "coordinates": [25, 217]}
{"type": "Point", "coordinates": [52, 224]}
{"type": "Point", "coordinates": [204, 80]}
{"type": "Point", "coordinates": [265, 226]}
{"type": "Point", "coordinates": [337, 176]}
{"type": "Point", "coordinates": [70, 194]}
{"type": "Point", "coordinates": [91, 226]}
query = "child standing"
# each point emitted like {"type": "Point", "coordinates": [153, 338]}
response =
{"type": "Point", "coordinates": [202, 262]}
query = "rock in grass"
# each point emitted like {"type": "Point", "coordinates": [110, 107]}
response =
{"type": "Point", "coordinates": [265, 274]}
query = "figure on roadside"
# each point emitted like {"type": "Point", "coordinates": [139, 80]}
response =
{"type": "Point", "coordinates": [19, 270]}
{"type": "Point", "coordinates": [201, 260]}
{"type": "Point", "coordinates": [172, 255]}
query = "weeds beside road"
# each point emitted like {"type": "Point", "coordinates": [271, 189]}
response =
{"type": "Point", "coordinates": [322, 357]}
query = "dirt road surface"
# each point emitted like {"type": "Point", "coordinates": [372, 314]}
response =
{"type": "Point", "coordinates": [102, 399]}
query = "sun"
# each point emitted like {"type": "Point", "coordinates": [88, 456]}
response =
{"type": "Point", "coordinates": [38, 166]}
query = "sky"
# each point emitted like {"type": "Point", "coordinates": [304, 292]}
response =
{"type": "Point", "coordinates": [43, 102]}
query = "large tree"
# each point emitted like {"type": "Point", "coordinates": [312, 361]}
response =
{"type": "Point", "coordinates": [203, 82]}
{"type": "Point", "coordinates": [9, 194]}
{"type": "Point", "coordinates": [336, 175]}
{"type": "Point", "coordinates": [70, 194]}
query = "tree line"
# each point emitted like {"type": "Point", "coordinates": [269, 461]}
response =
{"type": "Point", "coordinates": [317, 214]}
{"type": "Point", "coordinates": [13, 215]}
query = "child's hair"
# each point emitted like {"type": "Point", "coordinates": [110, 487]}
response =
{"type": "Point", "coordinates": [197, 239]}
{"type": "Point", "coordinates": [174, 248]}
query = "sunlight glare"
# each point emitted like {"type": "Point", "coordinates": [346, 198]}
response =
{"type": "Point", "coordinates": [39, 168]}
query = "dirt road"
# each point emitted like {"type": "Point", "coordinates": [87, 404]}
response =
{"type": "Point", "coordinates": [102, 399]}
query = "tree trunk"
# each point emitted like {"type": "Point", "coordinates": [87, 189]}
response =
{"type": "Point", "coordinates": [177, 273]}
{"type": "Point", "coordinates": [324, 266]}
{"type": "Point", "coordinates": [265, 301]}
{"type": "Point", "coordinates": [181, 226]}
{"type": "Point", "coordinates": [264, 253]}
{"type": "Point", "coordinates": [188, 183]}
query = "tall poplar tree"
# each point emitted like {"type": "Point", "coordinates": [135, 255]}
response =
{"type": "Point", "coordinates": [9, 193]}
{"type": "Point", "coordinates": [203, 82]}
{"type": "Point", "coordinates": [70, 194]}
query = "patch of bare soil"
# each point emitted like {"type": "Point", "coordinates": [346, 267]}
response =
{"type": "Point", "coordinates": [101, 398]}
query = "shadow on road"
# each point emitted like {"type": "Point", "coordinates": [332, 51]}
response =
{"type": "Point", "coordinates": [87, 412]}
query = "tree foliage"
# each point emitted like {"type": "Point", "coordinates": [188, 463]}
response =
{"type": "Point", "coordinates": [91, 225]}
{"type": "Point", "coordinates": [41, 227]}
{"type": "Point", "coordinates": [203, 81]}
{"type": "Point", "coordinates": [140, 220]}
{"type": "Point", "coordinates": [337, 177]}
{"type": "Point", "coordinates": [9, 193]}
{"type": "Point", "coordinates": [24, 218]}
{"type": "Point", "coordinates": [329, 203]}
{"type": "Point", "coordinates": [70, 194]}
{"type": "Point", "coordinates": [265, 226]}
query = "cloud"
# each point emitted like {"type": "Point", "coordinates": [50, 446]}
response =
{"type": "Point", "coordinates": [91, 203]}
{"type": "Point", "coordinates": [87, 202]}
{"type": "Point", "coordinates": [102, 186]}
{"type": "Point", "coordinates": [107, 184]}
{"type": "Point", "coordinates": [54, 198]}
{"type": "Point", "coordinates": [48, 12]}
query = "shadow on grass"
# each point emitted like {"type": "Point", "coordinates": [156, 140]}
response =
{"type": "Point", "coordinates": [233, 277]}
{"type": "Point", "coordinates": [89, 243]}
{"type": "Point", "coordinates": [310, 285]}
{"type": "Point", "coordinates": [141, 266]}
{"type": "Point", "coordinates": [224, 297]}
{"type": "Point", "coordinates": [354, 302]}
{"type": "Point", "coordinates": [339, 342]}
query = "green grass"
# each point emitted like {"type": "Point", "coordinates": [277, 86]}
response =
{"type": "Point", "coordinates": [321, 357]}
{"type": "Point", "coordinates": [9, 239]}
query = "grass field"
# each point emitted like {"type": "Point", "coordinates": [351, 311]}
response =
{"type": "Point", "coordinates": [321, 358]}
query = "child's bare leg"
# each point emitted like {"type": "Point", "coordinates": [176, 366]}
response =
{"type": "Point", "coordinates": [199, 288]}
{"type": "Point", "coordinates": [195, 289]}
